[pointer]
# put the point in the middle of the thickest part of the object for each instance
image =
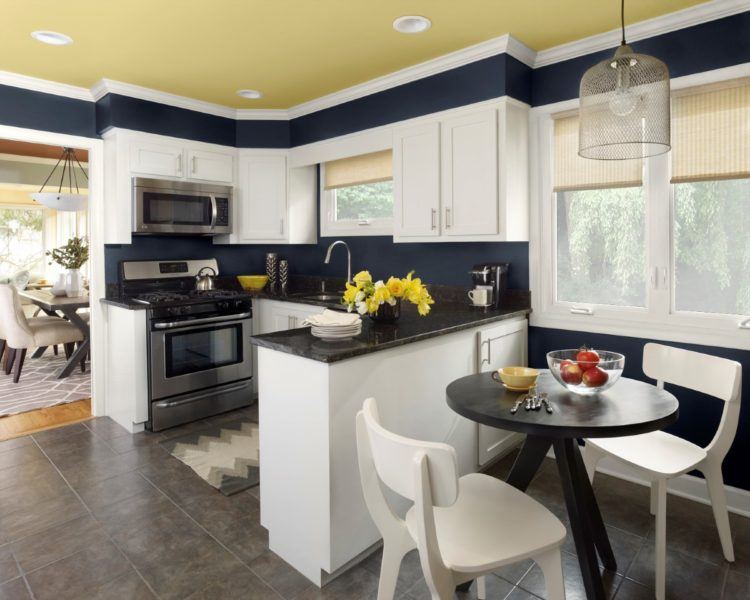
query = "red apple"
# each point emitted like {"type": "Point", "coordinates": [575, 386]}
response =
{"type": "Point", "coordinates": [570, 372]}
{"type": "Point", "coordinates": [587, 359]}
{"type": "Point", "coordinates": [595, 377]}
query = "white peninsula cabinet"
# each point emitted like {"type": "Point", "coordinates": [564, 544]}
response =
{"type": "Point", "coordinates": [463, 175]}
{"type": "Point", "coordinates": [129, 154]}
{"type": "Point", "coordinates": [274, 203]}
{"type": "Point", "coordinates": [311, 497]}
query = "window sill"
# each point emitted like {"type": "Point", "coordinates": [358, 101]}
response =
{"type": "Point", "coordinates": [727, 336]}
{"type": "Point", "coordinates": [353, 230]}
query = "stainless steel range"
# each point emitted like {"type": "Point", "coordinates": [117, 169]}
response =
{"type": "Point", "coordinates": [200, 362]}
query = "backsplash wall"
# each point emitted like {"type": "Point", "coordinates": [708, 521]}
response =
{"type": "Point", "coordinates": [441, 263]}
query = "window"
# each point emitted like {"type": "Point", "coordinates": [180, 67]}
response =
{"type": "Point", "coordinates": [21, 239]}
{"type": "Point", "coordinates": [357, 196]}
{"type": "Point", "coordinates": [654, 248]}
{"type": "Point", "coordinates": [599, 226]}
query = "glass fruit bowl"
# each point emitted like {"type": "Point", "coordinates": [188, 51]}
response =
{"type": "Point", "coordinates": [580, 372]}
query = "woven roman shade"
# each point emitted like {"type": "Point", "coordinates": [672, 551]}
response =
{"type": "Point", "coordinates": [571, 172]}
{"type": "Point", "coordinates": [356, 170]}
{"type": "Point", "coordinates": [711, 133]}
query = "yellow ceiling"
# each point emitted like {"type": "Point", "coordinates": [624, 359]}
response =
{"type": "Point", "coordinates": [292, 50]}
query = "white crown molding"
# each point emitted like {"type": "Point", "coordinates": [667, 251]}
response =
{"type": "Point", "coordinates": [110, 86]}
{"type": "Point", "coordinates": [43, 85]}
{"type": "Point", "coordinates": [695, 15]}
{"type": "Point", "coordinates": [262, 114]}
{"type": "Point", "coordinates": [503, 44]}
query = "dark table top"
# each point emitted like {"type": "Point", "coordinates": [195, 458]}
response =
{"type": "Point", "coordinates": [629, 407]}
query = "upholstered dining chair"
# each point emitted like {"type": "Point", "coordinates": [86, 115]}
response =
{"type": "Point", "coordinates": [660, 456]}
{"type": "Point", "coordinates": [464, 528]}
{"type": "Point", "coordinates": [21, 333]}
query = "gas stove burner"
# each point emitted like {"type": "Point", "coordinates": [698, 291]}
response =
{"type": "Point", "coordinates": [215, 293]}
{"type": "Point", "coordinates": [157, 297]}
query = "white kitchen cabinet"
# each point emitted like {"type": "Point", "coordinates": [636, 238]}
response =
{"type": "Point", "coordinates": [275, 204]}
{"type": "Point", "coordinates": [469, 174]}
{"type": "Point", "coordinates": [416, 177]}
{"type": "Point", "coordinates": [210, 166]}
{"type": "Point", "coordinates": [503, 345]}
{"type": "Point", "coordinates": [157, 159]}
{"type": "Point", "coordinates": [129, 154]}
{"type": "Point", "coordinates": [462, 175]}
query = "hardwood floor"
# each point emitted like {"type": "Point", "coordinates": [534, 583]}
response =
{"type": "Point", "coordinates": [44, 418]}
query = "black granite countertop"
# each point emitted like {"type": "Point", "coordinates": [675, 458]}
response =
{"type": "Point", "coordinates": [443, 319]}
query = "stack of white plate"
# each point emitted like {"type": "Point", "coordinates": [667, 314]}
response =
{"type": "Point", "coordinates": [334, 325]}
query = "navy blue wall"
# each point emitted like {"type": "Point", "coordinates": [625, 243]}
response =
{"type": "Point", "coordinates": [699, 414]}
{"type": "Point", "coordinates": [435, 263]}
{"type": "Point", "coordinates": [47, 112]}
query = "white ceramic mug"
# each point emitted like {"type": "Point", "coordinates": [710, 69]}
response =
{"type": "Point", "coordinates": [479, 296]}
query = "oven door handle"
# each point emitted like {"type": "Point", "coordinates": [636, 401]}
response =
{"type": "Point", "coordinates": [176, 324]}
{"type": "Point", "coordinates": [214, 211]}
{"type": "Point", "coordinates": [173, 403]}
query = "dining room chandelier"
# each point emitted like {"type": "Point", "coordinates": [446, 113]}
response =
{"type": "Point", "coordinates": [624, 106]}
{"type": "Point", "coordinates": [59, 200]}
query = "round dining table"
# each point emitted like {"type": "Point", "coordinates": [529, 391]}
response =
{"type": "Point", "coordinates": [629, 407]}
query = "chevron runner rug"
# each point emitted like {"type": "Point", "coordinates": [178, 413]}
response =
{"type": "Point", "coordinates": [226, 456]}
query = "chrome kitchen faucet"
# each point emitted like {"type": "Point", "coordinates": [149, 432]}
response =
{"type": "Point", "coordinates": [348, 258]}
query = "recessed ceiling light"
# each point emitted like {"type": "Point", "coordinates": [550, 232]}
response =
{"type": "Point", "coordinates": [412, 24]}
{"type": "Point", "coordinates": [52, 37]}
{"type": "Point", "coordinates": [252, 94]}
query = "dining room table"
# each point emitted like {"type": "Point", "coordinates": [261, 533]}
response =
{"type": "Point", "coordinates": [67, 308]}
{"type": "Point", "coordinates": [629, 407]}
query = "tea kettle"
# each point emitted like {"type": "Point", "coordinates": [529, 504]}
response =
{"type": "Point", "coordinates": [203, 283]}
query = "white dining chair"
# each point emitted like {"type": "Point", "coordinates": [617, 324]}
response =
{"type": "Point", "coordinates": [463, 527]}
{"type": "Point", "coordinates": [22, 333]}
{"type": "Point", "coordinates": [660, 456]}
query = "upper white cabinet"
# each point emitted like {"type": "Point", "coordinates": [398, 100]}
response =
{"type": "Point", "coordinates": [462, 175]}
{"type": "Point", "coordinates": [275, 203]}
{"type": "Point", "coordinates": [469, 174]}
{"type": "Point", "coordinates": [416, 178]}
{"type": "Point", "coordinates": [206, 165]}
{"type": "Point", "coordinates": [129, 154]}
{"type": "Point", "coordinates": [159, 160]}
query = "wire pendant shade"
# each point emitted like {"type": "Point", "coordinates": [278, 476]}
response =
{"type": "Point", "coordinates": [624, 110]}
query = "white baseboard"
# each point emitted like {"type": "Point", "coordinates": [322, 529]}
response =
{"type": "Point", "coordinates": [686, 486]}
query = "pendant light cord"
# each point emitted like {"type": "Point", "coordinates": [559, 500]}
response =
{"type": "Point", "coordinates": [622, 20]}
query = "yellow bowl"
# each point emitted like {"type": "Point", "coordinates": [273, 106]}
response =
{"type": "Point", "coordinates": [252, 282]}
{"type": "Point", "coordinates": [518, 379]}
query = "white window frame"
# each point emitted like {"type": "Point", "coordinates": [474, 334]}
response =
{"type": "Point", "coordinates": [659, 320]}
{"type": "Point", "coordinates": [329, 227]}
{"type": "Point", "coordinates": [44, 228]}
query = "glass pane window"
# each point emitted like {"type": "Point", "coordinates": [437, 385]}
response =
{"type": "Point", "coordinates": [364, 202]}
{"type": "Point", "coordinates": [712, 246]}
{"type": "Point", "coordinates": [601, 246]}
{"type": "Point", "coordinates": [21, 240]}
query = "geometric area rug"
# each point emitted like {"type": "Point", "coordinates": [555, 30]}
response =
{"type": "Point", "coordinates": [226, 455]}
{"type": "Point", "coordinates": [39, 386]}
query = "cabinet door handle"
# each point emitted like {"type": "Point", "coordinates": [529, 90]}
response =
{"type": "Point", "coordinates": [447, 217]}
{"type": "Point", "coordinates": [281, 227]}
{"type": "Point", "coordinates": [179, 164]}
{"type": "Point", "coordinates": [192, 166]}
{"type": "Point", "coordinates": [487, 360]}
{"type": "Point", "coordinates": [434, 214]}
{"type": "Point", "coordinates": [290, 322]}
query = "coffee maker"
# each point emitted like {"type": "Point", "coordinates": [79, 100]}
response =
{"type": "Point", "coordinates": [494, 278]}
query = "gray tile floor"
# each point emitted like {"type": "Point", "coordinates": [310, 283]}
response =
{"type": "Point", "coordinates": [90, 511]}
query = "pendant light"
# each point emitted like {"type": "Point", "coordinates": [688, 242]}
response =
{"type": "Point", "coordinates": [624, 110]}
{"type": "Point", "coordinates": [59, 200]}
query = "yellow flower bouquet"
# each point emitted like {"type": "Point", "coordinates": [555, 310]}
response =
{"type": "Point", "coordinates": [367, 296]}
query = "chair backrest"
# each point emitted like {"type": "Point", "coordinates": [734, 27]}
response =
{"type": "Point", "coordinates": [394, 457]}
{"type": "Point", "coordinates": [15, 328]}
{"type": "Point", "coordinates": [710, 375]}
{"type": "Point", "coordinates": [424, 472]}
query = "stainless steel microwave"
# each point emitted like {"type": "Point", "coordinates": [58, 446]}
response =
{"type": "Point", "coordinates": [181, 207]}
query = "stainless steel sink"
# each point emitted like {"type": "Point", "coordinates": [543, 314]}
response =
{"type": "Point", "coordinates": [320, 296]}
